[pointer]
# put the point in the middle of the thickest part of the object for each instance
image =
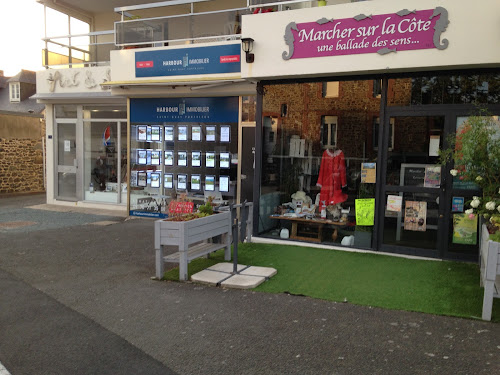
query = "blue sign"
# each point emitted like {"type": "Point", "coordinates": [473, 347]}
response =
{"type": "Point", "coordinates": [188, 61]}
{"type": "Point", "coordinates": [457, 204]}
{"type": "Point", "coordinates": [148, 110]}
{"type": "Point", "coordinates": [157, 215]}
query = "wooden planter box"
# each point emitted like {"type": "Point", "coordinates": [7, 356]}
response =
{"type": "Point", "coordinates": [193, 238]}
{"type": "Point", "coordinates": [490, 271]}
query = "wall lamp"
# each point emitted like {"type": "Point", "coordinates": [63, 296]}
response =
{"type": "Point", "coordinates": [247, 46]}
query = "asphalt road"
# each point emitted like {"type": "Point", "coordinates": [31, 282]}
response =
{"type": "Point", "coordinates": [79, 299]}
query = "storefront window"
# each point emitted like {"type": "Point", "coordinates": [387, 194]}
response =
{"type": "Point", "coordinates": [319, 164]}
{"type": "Point", "coordinates": [415, 150]}
{"type": "Point", "coordinates": [445, 89]}
{"type": "Point", "coordinates": [182, 149]}
{"type": "Point", "coordinates": [105, 155]}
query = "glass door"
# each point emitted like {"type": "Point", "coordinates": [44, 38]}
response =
{"type": "Point", "coordinates": [67, 161]}
{"type": "Point", "coordinates": [413, 189]}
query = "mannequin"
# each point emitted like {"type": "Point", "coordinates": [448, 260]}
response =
{"type": "Point", "coordinates": [332, 177]}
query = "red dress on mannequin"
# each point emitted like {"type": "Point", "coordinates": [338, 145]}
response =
{"type": "Point", "coordinates": [332, 177]}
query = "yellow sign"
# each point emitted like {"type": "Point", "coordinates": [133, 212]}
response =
{"type": "Point", "coordinates": [365, 211]}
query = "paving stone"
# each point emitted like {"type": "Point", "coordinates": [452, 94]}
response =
{"type": "Point", "coordinates": [243, 282]}
{"type": "Point", "coordinates": [209, 277]}
{"type": "Point", "coordinates": [225, 267]}
{"type": "Point", "coordinates": [259, 271]}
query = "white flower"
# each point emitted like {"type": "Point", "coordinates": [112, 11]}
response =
{"type": "Point", "coordinates": [479, 179]}
{"type": "Point", "coordinates": [469, 211]}
{"type": "Point", "coordinates": [474, 198]}
{"type": "Point", "coordinates": [454, 172]}
{"type": "Point", "coordinates": [490, 206]}
{"type": "Point", "coordinates": [498, 208]}
{"type": "Point", "coordinates": [475, 203]}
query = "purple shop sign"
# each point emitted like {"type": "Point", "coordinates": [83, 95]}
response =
{"type": "Point", "coordinates": [402, 31]}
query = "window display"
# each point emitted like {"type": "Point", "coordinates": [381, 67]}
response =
{"type": "Point", "coordinates": [211, 133]}
{"type": "Point", "coordinates": [181, 182]}
{"type": "Point", "coordinates": [210, 183]}
{"type": "Point", "coordinates": [196, 133]}
{"type": "Point", "coordinates": [189, 144]}
{"type": "Point", "coordinates": [224, 159]}
{"type": "Point", "coordinates": [196, 182]}
{"type": "Point", "coordinates": [169, 158]}
{"type": "Point", "coordinates": [225, 133]}
{"type": "Point", "coordinates": [196, 158]}
{"type": "Point", "coordinates": [182, 158]}
{"type": "Point", "coordinates": [319, 164]}
{"type": "Point", "coordinates": [183, 133]}
{"type": "Point", "coordinates": [210, 159]}
{"type": "Point", "coordinates": [169, 181]}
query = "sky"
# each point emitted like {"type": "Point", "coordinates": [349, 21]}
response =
{"type": "Point", "coordinates": [21, 31]}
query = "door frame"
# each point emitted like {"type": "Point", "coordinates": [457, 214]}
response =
{"type": "Point", "coordinates": [446, 191]}
{"type": "Point", "coordinates": [78, 161]}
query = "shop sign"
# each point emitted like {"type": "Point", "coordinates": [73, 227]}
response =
{"type": "Point", "coordinates": [188, 61]}
{"type": "Point", "coordinates": [223, 109]}
{"type": "Point", "coordinates": [405, 30]}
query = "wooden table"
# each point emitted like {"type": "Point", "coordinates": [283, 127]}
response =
{"type": "Point", "coordinates": [300, 230]}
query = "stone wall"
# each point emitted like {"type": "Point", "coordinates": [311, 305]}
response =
{"type": "Point", "coordinates": [21, 154]}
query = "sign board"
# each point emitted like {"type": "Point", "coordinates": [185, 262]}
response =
{"type": "Point", "coordinates": [180, 207]}
{"type": "Point", "coordinates": [223, 109]}
{"type": "Point", "coordinates": [188, 61]}
{"type": "Point", "coordinates": [414, 176]}
{"type": "Point", "coordinates": [384, 33]}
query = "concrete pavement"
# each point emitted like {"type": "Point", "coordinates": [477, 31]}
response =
{"type": "Point", "coordinates": [100, 276]}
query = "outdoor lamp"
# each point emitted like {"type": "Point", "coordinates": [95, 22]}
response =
{"type": "Point", "coordinates": [247, 46]}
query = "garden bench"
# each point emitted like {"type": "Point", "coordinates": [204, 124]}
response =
{"type": "Point", "coordinates": [490, 272]}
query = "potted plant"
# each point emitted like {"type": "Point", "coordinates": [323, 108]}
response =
{"type": "Point", "coordinates": [475, 154]}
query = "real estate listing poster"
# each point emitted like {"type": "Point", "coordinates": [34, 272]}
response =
{"type": "Point", "coordinates": [210, 183]}
{"type": "Point", "coordinates": [225, 133]}
{"type": "Point", "coordinates": [196, 133]}
{"type": "Point", "coordinates": [181, 182]}
{"type": "Point", "coordinates": [155, 180]}
{"type": "Point", "coordinates": [182, 135]}
{"type": "Point", "coordinates": [182, 158]}
{"type": "Point", "coordinates": [211, 132]}
{"type": "Point", "coordinates": [155, 134]}
{"type": "Point", "coordinates": [142, 133]}
{"type": "Point", "coordinates": [224, 159]}
{"type": "Point", "coordinates": [210, 159]}
{"type": "Point", "coordinates": [169, 158]}
{"type": "Point", "coordinates": [196, 158]}
{"type": "Point", "coordinates": [168, 181]}
{"type": "Point", "coordinates": [224, 184]}
{"type": "Point", "coordinates": [195, 182]}
{"type": "Point", "coordinates": [169, 133]}
{"type": "Point", "coordinates": [155, 157]}
{"type": "Point", "coordinates": [142, 157]}
{"type": "Point", "coordinates": [142, 179]}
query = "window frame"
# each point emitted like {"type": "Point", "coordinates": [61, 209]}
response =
{"type": "Point", "coordinates": [15, 91]}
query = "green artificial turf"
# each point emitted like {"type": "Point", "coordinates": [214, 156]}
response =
{"type": "Point", "coordinates": [436, 287]}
